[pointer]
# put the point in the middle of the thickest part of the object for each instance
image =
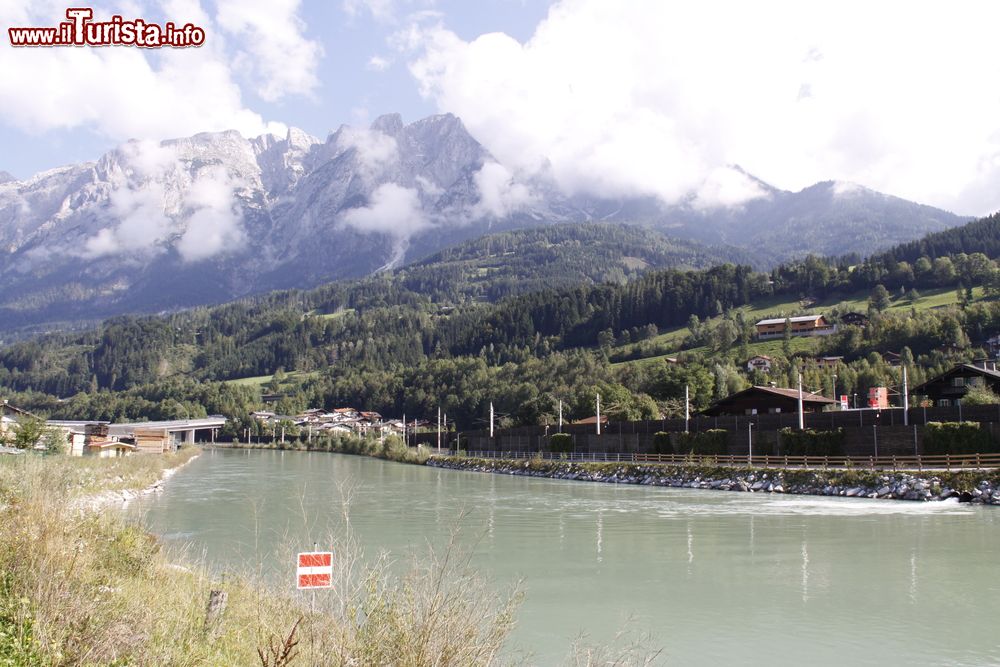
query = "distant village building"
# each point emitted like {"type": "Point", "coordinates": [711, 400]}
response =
{"type": "Point", "coordinates": [9, 416]}
{"type": "Point", "coordinates": [828, 362]}
{"type": "Point", "coordinates": [993, 345]}
{"type": "Point", "coordinates": [803, 325]}
{"type": "Point", "coordinates": [768, 400]}
{"type": "Point", "coordinates": [878, 398]}
{"type": "Point", "coordinates": [8, 410]}
{"type": "Point", "coordinates": [892, 358]}
{"type": "Point", "coordinates": [951, 387]}
{"type": "Point", "coordinates": [760, 362]}
{"type": "Point", "coordinates": [592, 421]}
{"type": "Point", "coordinates": [100, 438]}
{"type": "Point", "coordinates": [855, 319]}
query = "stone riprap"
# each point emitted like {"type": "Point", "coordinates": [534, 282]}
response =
{"type": "Point", "coordinates": [982, 487]}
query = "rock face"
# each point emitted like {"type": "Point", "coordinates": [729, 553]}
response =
{"type": "Point", "coordinates": [889, 486]}
{"type": "Point", "coordinates": [217, 216]}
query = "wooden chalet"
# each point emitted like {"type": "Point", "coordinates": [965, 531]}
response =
{"type": "Point", "coordinates": [951, 387]}
{"type": "Point", "coordinates": [855, 319]}
{"type": "Point", "coordinates": [802, 325]}
{"type": "Point", "coordinates": [760, 400]}
{"type": "Point", "coordinates": [828, 362]}
{"type": "Point", "coordinates": [760, 362]}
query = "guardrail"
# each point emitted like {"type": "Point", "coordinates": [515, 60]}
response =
{"type": "Point", "coordinates": [930, 462]}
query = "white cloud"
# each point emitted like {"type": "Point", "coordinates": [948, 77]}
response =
{"type": "Point", "coordinates": [283, 61]}
{"type": "Point", "coordinates": [124, 92]}
{"type": "Point", "coordinates": [379, 64]}
{"type": "Point", "coordinates": [137, 214]}
{"type": "Point", "coordinates": [649, 97]}
{"type": "Point", "coordinates": [214, 227]}
{"type": "Point", "coordinates": [393, 210]}
{"type": "Point", "coordinates": [499, 194]}
{"type": "Point", "coordinates": [141, 221]}
{"type": "Point", "coordinates": [725, 186]}
{"type": "Point", "coordinates": [376, 150]}
{"type": "Point", "coordinates": [156, 202]}
{"type": "Point", "coordinates": [383, 11]}
{"type": "Point", "coordinates": [428, 187]}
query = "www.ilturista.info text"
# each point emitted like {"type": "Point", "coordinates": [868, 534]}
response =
{"type": "Point", "coordinates": [82, 30]}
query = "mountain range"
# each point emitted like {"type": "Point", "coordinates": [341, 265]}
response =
{"type": "Point", "coordinates": [159, 226]}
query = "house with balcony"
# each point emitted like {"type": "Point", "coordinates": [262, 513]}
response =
{"type": "Point", "coordinates": [760, 362]}
{"type": "Point", "coordinates": [801, 325]}
{"type": "Point", "coordinates": [951, 387]}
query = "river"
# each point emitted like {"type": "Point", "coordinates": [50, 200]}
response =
{"type": "Point", "coordinates": [711, 576]}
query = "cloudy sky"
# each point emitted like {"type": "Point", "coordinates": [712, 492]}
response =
{"type": "Point", "coordinates": [615, 98]}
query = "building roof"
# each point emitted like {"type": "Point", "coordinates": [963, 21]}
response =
{"type": "Point", "coordinates": [592, 420]}
{"type": "Point", "coordinates": [215, 421]}
{"type": "Point", "coordinates": [759, 356]}
{"type": "Point", "coordinates": [782, 320]}
{"type": "Point", "coordinates": [963, 369]}
{"type": "Point", "coordinates": [807, 396]}
{"type": "Point", "coordinates": [115, 444]}
{"type": "Point", "coordinates": [6, 407]}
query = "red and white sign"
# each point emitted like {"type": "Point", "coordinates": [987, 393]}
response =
{"type": "Point", "coordinates": [315, 570]}
{"type": "Point", "coordinates": [843, 401]}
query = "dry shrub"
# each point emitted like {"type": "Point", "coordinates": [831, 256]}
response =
{"type": "Point", "coordinates": [87, 587]}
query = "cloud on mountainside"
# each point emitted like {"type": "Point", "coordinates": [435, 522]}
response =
{"type": "Point", "coordinates": [655, 98]}
{"type": "Point", "coordinates": [144, 219]}
{"type": "Point", "coordinates": [375, 150]}
{"type": "Point", "coordinates": [393, 210]}
{"type": "Point", "coordinates": [131, 92]}
{"type": "Point", "coordinates": [499, 194]}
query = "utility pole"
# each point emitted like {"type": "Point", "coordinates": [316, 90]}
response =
{"type": "Point", "coordinates": [802, 424]}
{"type": "Point", "coordinates": [687, 406]}
{"type": "Point", "coordinates": [749, 442]}
{"type": "Point", "coordinates": [439, 429]}
{"type": "Point", "coordinates": [560, 415]}
{"type": "Point", "coordinates": [598, 414]}
{"type": "Point", "coordinates": [491, 419]}
{"type": "Point", "coordinates": [406, 436]}
{"type": "Point", "coordinates": [906, 399]}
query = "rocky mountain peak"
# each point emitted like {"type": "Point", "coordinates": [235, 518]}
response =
{"type": "Point", "coordinates": [390, 124]}
{"type": "Point", "coordinates": [215, 216]}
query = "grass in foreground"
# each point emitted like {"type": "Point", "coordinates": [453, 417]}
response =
{"type": "Point", "coordinates": [90, 588]}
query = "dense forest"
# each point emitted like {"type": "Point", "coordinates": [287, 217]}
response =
{"type": "Point", "coordinates": [523, 319]}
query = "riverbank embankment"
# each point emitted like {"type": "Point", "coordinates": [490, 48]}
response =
{"type": "Point", "coordinates": [975, 486]}
{"type": "Point", "coordinates": [132, 488]}
{"type": "Point", "coordinates": [84, 584]}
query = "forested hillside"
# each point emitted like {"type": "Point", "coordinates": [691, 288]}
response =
{"type": "Point", "coordinates": [981, 236]}
{"type": "Point", "coordinates": [411, 339]}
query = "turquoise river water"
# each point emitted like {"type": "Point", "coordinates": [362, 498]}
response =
{"type": "Point", "coordinates": [712, 577]}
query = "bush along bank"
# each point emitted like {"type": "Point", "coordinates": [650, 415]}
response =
{"type": "Point", "coordinates": [390, 449]}
{"type": "Point", "coordinates": [981, 487]}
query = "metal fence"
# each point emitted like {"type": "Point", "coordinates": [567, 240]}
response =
{"type": "Point", "coordinates": [832, 419]}
{"type": "Point", "coordinates": [930, 462]}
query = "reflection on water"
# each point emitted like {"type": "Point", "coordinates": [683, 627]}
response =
{"type": "Point", "coordinates": [800, 580]}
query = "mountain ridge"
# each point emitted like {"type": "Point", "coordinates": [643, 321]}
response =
{"type": "Point", "coordinates": [216, 216]}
